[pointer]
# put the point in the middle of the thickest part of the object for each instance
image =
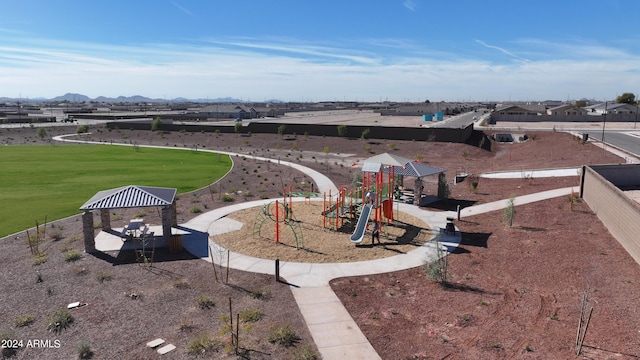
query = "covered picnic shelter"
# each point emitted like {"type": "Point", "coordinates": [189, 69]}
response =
{"type": "Point", "coordinates": [401, 166]}
{"type": "Point", "coordinates": [131, 196]}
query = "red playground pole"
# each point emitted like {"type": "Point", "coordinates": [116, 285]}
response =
{"type": "Point", "coordinates": [324, 211]}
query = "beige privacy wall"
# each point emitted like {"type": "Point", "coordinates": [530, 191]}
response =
{"type": "Point", "coordinates": [601, 190]}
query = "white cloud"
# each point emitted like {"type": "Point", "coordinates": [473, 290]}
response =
{"type": "Point", "coordinates": [182, 8]}
{"type": "Point", "coordinates": [502, 50]}
{"type": "Point", "coordinates": [410, 4]}
{"type": "Point", "coordinates": [290, 70]}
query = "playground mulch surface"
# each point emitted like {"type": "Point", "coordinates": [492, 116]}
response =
{"type": "Point", "coordinates": [512, 292]}
{"type": "Point", "coordinates": [308, 237]}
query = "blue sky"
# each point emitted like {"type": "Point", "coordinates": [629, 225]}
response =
{"type": "Point", "coordinates": [299, 50]}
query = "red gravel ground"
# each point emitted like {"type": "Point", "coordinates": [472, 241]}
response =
{"type": "Point", "coordinates": [513, 292]}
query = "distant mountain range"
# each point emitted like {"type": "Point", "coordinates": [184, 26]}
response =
{"type": "Point", "coordinates": [72, 97]}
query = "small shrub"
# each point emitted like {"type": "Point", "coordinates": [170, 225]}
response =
{"type": "Point", "coordinates": [186, 326]}
{"type": "Point", "coordinates": [510, 211]}
{"type": "Point", "coordinates": [203, 344]}
{"type": "Point", "coordinates": [140, 214]}
{"type": "Point", "coordinates": [365, 134]}
{"type": "Point", "coordinates": [342, 130]}
{"type": "Point", "coordinates": [74, 239]}
{"type": "Point", "coordinates": [40, 258]}
{"type": "Point", "coordinates": [82, 129]}
{"type": "Point", "coordinates": [80, 271]}
{"type": "Point", "coordinates": [205, 302]}
{"type": "Point", "coordinates": [195, 210]}
{"type": "Point", "coordinates": [181, 284]}
{"type": "Point", "coordinates": [260, 294]}
{"type": "Point", "coordinates": [24, 320]}
{"type": "Point", "coordinates": [305, 352]}
{"type": "Point", "coordinates": [156, 124]}
{"type": "Point", "coordinates": [42, 133]}
{"type": "Point", "coordinates": [251, 315]}
{"type": "Point", "coordinates": [228, 198]}
{"type": "Point", "coordinates": [59, 321]}
{"type": "Point", "coordinates": [57, 235]}
{"type": "Point", "coordinates": [72, 255]}
{"type": "Point", "coordinates": [104, 277]}
{"type": "Point", "coordinates": [283, 335]}
{"type": "Point", "coordinates": [84, 351]}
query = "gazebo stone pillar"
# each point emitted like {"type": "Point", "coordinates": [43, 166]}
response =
{"type": "Point", "coordinates": [88, 232]}
{"type": "Point", "coordinates": [174, 213]}
{"type": "Point", "coordinates": [442, 186]}
{"type": "Point", "coordinates": [166, 222]}
{"type": "Point", "coordinates": [105, 219]}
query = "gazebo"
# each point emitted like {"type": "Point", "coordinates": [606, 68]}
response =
{"type": "Point", "coordinates": [418, 171]}
{"type": "Point", "coordinates": [401, 166]}
{"type": "Point", "coordinates": [131, 196]}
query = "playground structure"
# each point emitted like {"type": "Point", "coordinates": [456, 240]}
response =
{"type": "Point", "coordinates": [281, 214]}
{"type": "Point", "coordinates": [377, 199]}
{"type": "Point", "coordinates": [373, 196]}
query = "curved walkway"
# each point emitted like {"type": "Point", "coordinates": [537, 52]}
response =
{"type": "Point", "coordinates": [533, 173]}
{"type": "Point", "coordinates": [335, 333]}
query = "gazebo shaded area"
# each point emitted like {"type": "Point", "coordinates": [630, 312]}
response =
{"type": "Point", "coordinates": [404, 167]}
{"type": "Point", "coordinates": [131, 196]}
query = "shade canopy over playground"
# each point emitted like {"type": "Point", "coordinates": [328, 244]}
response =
{"type": "Point", "coordinates": [388, 159]}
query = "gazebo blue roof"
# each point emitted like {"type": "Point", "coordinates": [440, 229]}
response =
{"type": "Point", "coordinates": [131, 196]}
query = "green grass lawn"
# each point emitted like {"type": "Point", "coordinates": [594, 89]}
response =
{"type": "Point", "coordinates": [54, 181]}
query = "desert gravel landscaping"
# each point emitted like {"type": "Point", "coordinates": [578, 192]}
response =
{"type": "Point", "coordinates": [514, 292]}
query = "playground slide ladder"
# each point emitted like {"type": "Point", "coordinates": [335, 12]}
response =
{"type": "Point", "coordinates": [361, 225]}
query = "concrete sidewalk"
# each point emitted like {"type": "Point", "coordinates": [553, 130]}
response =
{"type": "Point", "coordinates": [335, 333]}
{"type": "Point", "coordinates": [519, 200]}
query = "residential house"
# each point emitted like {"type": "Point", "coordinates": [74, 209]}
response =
{"type": "Point", "coordinates": [566, 109]}
{"type": "Point", "coordinates": [611, 108]}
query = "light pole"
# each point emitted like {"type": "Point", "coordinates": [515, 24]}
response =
{"type": "Point", "coordinates": [636, 119]}
{"type": "Point", "coordinates": [604, 123]}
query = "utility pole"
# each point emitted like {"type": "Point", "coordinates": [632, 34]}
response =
{"type": "Point", "coordinates": [636, 119]}
{"type": "Point", "coordinates": [604, 123]}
